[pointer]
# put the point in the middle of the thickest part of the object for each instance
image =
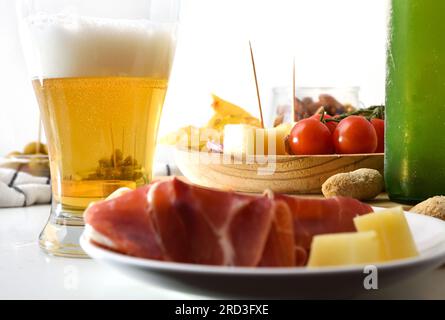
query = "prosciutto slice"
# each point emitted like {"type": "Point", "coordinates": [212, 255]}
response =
{"type": "Point", "coordinates": [312, 217]}
{"type": "Point", "coordinates": [174, 221]}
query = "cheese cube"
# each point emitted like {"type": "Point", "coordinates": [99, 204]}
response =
{"type": "Point", "coordinates": [239, 139]}
{"type": "Point", "coordinates": [281, 132]}
{"type": "Point", "coordinates": [357, 248]}
{"type": "Point", "coordinates": [248, 140]}
{"type": "Point", "coordinates": [396, 240]}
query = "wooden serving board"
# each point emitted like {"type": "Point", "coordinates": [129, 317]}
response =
{"type": "Point", "coordinates": [283, 174]}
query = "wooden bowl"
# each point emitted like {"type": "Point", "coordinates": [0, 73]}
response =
{"type": "Point", "coordinates": [283, 174]}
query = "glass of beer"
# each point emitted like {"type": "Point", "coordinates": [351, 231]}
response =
{"type": "Point", "coordinates": [100, 72]}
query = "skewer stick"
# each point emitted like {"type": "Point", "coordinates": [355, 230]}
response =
{"type": "Point", "coordinates": [39, 137]}
{"type": "Point", "coordinates": [294, 91]}
{"type": "Point", "coordinates": [256, 83]}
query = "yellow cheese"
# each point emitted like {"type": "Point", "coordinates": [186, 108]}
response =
{"type": "Point", "coordinates": [281, 133]}
{"type": "Point", "coordinates": [396, 240]}
{"type": "Point", "coordinates": [357, 248]}
{"type": "Point", "coordinates": [245, 139]}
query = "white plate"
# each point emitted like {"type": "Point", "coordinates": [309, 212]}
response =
{"type": "Point", "coordinates": [236, 282]}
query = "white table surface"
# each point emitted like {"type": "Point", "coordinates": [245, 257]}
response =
{"type": "Point", "coordinates": [28, 273]}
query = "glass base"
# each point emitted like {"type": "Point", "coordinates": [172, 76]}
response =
{"type": "Point", "coordinates": [61, 235]}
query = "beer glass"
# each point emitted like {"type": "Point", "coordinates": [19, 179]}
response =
{"type": "Point", "coordinates": [100, 71]}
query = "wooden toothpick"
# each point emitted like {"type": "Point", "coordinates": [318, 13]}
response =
{"type": "Point", "coordinates": [294, 89]}
{"type": "Point", "coordinates": [257, 86]}
{"type": "Point", "coordinates": [39, 135]}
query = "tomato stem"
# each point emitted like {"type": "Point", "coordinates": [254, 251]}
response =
{"type": "Point", "coordinates": [374, 112]}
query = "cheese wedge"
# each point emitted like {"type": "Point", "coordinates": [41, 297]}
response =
{"type": "Point", "coordinates": [396, 239]}
{"type": "Point", "coordinates": [357, 248]}
{"type": "Point", "coordinates": [227, 108]}
{"type": "Point", "coordinates": [249, 140]}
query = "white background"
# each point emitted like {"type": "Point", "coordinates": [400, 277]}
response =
{"type": "Point", "coordinates": [335, 43]}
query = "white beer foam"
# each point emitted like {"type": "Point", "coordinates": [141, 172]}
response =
{"type": "Point", "coordinates": [71, 46]}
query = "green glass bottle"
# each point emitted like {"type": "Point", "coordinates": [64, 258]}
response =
{"type": "Point", "coordinates": [415, 101]}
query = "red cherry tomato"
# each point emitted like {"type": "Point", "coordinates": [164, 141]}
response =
{"type": "Point", "coordinates": [310, 137]}
{"type": "Point", "coordinates": [330, 124]}
{"type": "Point", "coordinates": [355, 135]}
{"type": "Point", "coordinates": [379, 126]}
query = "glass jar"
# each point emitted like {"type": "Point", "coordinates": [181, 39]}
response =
{"type": "Point", "coordinates": [309, 100]}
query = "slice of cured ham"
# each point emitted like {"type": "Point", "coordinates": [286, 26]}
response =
{"type": "Point", "coordinates": [173, 221]}
{"type": "Point", "coordinates": [321, 216]}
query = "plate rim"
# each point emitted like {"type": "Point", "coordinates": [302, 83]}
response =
{"type": "Point", "coordinates": [99, 253]}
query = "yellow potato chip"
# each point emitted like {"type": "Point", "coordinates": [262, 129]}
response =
{"type": "Point", "coordinates": [196, 138]}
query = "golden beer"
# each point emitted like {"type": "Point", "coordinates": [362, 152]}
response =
{"type": "Point", "coordinates": [101, 134]}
